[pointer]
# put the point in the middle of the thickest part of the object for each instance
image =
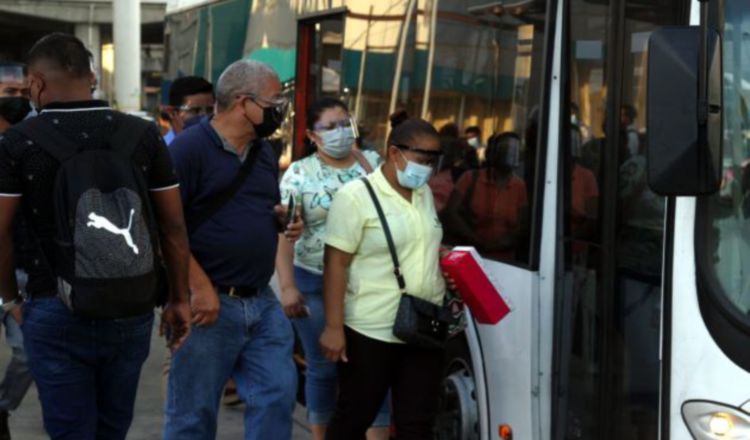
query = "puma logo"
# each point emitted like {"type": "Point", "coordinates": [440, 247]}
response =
{"type": "Point", "coordinates": [99, 222]}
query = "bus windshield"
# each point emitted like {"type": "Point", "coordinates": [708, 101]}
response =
{"type": "Point", "coordinates": [729, 210]}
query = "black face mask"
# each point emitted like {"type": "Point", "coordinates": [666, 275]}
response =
{"type": "Point", "coordinates": [272, 118]}
{"type": "Point", "coordinates": [14, 109]}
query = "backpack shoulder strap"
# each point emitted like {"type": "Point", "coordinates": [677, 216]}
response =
{"type": "Point", "coordinates": [219, 200]}
{"type": "Point", "coordinates": [127, 137]}
{"type": "Point", "coordinates": [41, 132]}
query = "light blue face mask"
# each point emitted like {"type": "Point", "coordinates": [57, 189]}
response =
{"type": "Point", "coordinates": [337, 143]}
{"type": "Point", "coordinates": [414, 176]}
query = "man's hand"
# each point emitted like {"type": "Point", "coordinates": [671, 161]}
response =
{"type": "Point", "coordinates": [293, 230]}
{"type": "Point", "coordinates": [293, 302]}
{"type": "Point", "coordinates": [205, 305]}
{"type": "Point", "coordinates": [175, 323]}
{"type": "Point", "coordinates": [333, 344]}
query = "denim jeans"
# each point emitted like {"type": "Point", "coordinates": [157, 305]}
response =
{"type": "Point", "coordinates": [321, 377]}
{"type": "Point", "coordinates": [86, 371]}
{"type": "Point", "coordinates": [17, 378]}
{"type": "Point", "coordinates": [252, 343]}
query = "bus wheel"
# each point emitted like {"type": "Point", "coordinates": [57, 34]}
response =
{"type": "Point", "coordinates": [458, 417]}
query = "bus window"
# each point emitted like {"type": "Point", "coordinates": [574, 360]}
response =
{"type": "Point", "coordinates": [487, 75]}
{"type": "Point", "coordinates": [728, 231]}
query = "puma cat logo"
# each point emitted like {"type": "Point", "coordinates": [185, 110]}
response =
{"type": "Point", "coordinates": [99, 222]}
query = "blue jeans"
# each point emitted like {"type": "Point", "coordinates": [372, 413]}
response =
{"type": "Point", "coordinates": [86, 371]}
{"type": "Point", "coordinates": [321, 376]}
{"type": "Point", "coordinates": [17, 378]}
{"type": "Point", "coordinates": [252, 343]}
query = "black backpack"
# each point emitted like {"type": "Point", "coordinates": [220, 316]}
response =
{"type": "Point", "coordinates": [106, 248]}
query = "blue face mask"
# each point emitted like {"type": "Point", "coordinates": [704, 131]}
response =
{"type": "Point", "coordinates": [414, 176]}
{"type": "Point", "coordinates": [338, 142]}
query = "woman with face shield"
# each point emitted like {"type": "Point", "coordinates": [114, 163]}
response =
{"type": "Point", "coordinates": [489, 206]}
{"type": "Point", "coordinates": [362, 294]}
{"type": "Point", "coordinates": [312, 183]}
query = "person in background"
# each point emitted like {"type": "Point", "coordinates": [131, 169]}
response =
{"type": "Point", "coordinates": [313, 183]}
{"type": "Point", "coordinates": [240, 329]}
{"type": "Point", "coordinates": [584, 195]}
{"type": "Point", "coordinates": [86, 370]}
{"type": "Point", "coordinates": [14, 108]}
{"type": "Point", "coordinates": [361, 294]}
{"type": "Point", "coordinates": [628, 115]}
{"type": "Point", "coordinates": [451, 140]}
{"type": "Point", "coordinates": [14, 95]}
{"type": "Point", "coordinates": [488, 208]}
{"type": "Point", "coordinates": [190, 98]}
{"type": "Point", "coordinates": [473, 136]}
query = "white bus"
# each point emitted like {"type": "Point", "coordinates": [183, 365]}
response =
{"type": "Point", "coordinates": [630, 309]}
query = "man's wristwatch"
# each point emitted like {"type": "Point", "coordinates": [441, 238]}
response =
{"type": "Point", "coordinates": [10, 306]}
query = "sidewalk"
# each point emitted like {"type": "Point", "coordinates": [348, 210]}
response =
{"type": "Point", "coordinates": [26, 422]}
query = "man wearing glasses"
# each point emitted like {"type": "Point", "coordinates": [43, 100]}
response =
{"type": "Point", "coordinates": [190, 98]}
{"type": "Point", "coordinates": [229, 181]}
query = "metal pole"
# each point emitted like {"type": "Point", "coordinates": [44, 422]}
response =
{"type": "Point", "coordinates": [127, 42]}
{"type": "Point", "coordinates": [400, 59]}
{"type": "Point", "coordinates": [362, 66]}
{"type": "Point", "coordinates": [430, 61]}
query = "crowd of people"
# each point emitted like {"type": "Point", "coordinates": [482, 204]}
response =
{"type": "Point", "coordinates": [103, 218]}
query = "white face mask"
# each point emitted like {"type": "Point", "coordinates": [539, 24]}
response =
{"type": "Point", "coordinates": [338, 142]}
{"type": "Point", "coordinates": [474, 142]}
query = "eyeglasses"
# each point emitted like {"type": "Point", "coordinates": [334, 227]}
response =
{"type": "Point", "coordinates": [429, 157]}
{"type": "Point", "coordinates": [344, 123]}
{"type": "Point", "coordinates": [280, 103]}
{"type": "Point", "coordinates": [198, 110]}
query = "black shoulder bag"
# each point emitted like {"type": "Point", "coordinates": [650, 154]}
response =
{"type": "Point", "coordinates": [418, 322]}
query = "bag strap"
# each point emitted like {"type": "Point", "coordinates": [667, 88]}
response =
{"type": "Point", "coordinates": [127, 137]}
{"type": "Point", "coordinates": [221, 199]}
{"type": "Point", "coordinates": [388, 236]}
{"type": "Point", "coordinates": [41, 132]}
{"type": "Point", "coordinates": [363, 162]}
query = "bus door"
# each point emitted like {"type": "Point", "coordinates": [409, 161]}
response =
{"type": "Point", "coordinates": [610, 275]}
{"type": "Point", "coordinates": [707, 300]}
{"type": "Point", "coordinates": [320, 45]}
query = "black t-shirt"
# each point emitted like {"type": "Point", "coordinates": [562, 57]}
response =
{"type": "Point", "coordinates": [28, 171]}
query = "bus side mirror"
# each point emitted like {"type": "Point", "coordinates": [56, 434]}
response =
{"type": "Point", "coordinates": [684, 155]}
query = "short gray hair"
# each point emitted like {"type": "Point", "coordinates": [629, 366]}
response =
{"type": "Point", "coordinates": [243, 76]}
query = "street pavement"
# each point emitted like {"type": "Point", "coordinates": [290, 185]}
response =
{"type": "Point", "coordinates": [26, 421]}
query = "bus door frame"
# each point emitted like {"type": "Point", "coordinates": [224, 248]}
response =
{"type": "Point", "coordinates": [303, 89]}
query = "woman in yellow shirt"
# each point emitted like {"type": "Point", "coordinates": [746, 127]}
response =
{"type": "Point", "coordinates": [361, 293]}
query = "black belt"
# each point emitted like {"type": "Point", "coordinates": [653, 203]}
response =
{"type": "Point", "coordinates": [237, 291]}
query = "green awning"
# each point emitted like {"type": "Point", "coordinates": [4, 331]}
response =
{"type": "Point", "coordinates": [282, 60]}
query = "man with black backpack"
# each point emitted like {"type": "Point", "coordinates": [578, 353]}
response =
{"type": "Point", "coordinates": [102, 205]}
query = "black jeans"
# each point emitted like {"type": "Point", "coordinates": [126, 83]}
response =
{"type": "Point", "coordinates": [412, 374]}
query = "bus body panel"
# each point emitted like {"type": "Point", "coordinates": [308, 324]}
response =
{"type": "Point", "coordinates": [507, 352]}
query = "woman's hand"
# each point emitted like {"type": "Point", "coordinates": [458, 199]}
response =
{"type": "Point", "coordinates": [450, 283]}
{"type": "Point", "coordinates": [293, 302]}
{"type": "Point", "coordinates": [333, 344]}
